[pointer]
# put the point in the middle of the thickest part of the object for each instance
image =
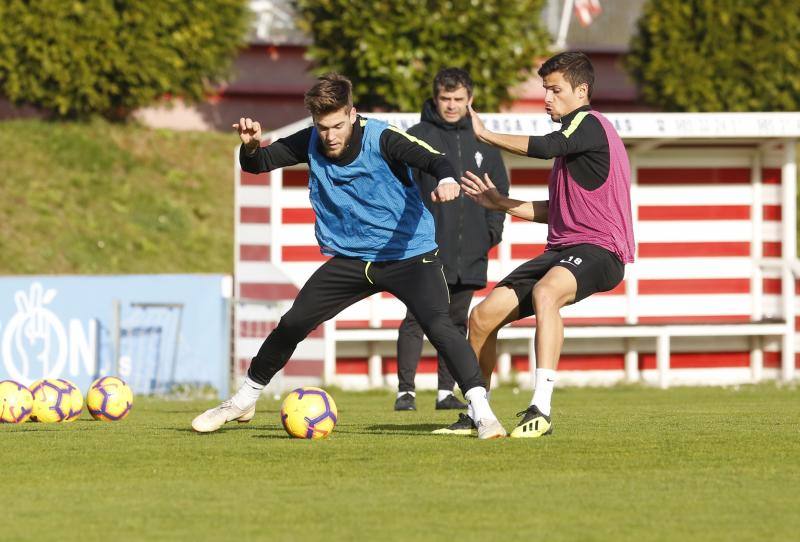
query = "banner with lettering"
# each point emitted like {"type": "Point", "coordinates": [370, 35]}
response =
{"type": "Point", "coordinates": [157, 332]}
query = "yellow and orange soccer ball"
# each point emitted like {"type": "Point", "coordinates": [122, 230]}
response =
{"type": "Point", "coordinates": [75, 401]}
{"type": "Point", "coordinates": [16, 402]}
{"type": "Point", "coordinates": [52, 400]}
{"type": "Point", "coordinates": [309, 413]}
{"type": "Point", "coordinates": [109, 399]}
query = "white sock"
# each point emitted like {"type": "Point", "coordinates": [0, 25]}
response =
{"type": "Point", "coordinates": [401, 393]}
{"type": "Point", "coordinates": [545, 381]}
{"type": "Point", "coordinates": [471, 411]}
{"type": "Point", "coordinates": [248, 394]}
{"type": "Point", "coordinates": [480, 405]}
{"type": "Point", "coordinates": [441, 395]}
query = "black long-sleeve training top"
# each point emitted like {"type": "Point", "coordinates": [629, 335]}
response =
{"type": "Point", "coordinates": [583, 142]}
{"type": "Point", "coordinates": [397, 148]}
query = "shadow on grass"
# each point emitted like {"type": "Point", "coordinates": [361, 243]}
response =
{"type": "Point", "coordinates": [387, 430]}
{"type": "Point", "coordinates": [81, 424]}
{"type": "Point", "coordinates": [28, 429]}
{"type": "Point", "coordinates": [195, 411]}
{"type": "Point", "coordinates": [276, 435]}
{"type": "Point", "coordinates": [395, 429]}
{"type": "Point", "coordinates": [242, 427]}
{"type": "Point", "coordinates": [273, 432]}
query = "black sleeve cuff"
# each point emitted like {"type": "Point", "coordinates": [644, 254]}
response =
{"type": "Point", "coordinates": [248, 162]}
{"type": "Point", "coordinates": [441, 168]}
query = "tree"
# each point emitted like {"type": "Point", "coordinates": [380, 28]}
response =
{"type": "Point", "coordinates": [109, 57]}
{"type": "Point", "coordinates": [392, 50]}
{"type": "Point", "coordinates": [718, 55]}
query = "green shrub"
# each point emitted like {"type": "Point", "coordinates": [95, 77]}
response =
{"type": "Point", "coordinates": [109, 57]}
{"type": "Point", "coordinates": [718, 55]}
{"type": "Point", "coordinates": [392, 50]}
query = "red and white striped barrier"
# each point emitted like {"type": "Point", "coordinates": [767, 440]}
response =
{"type": "Point", "coordinates": [714, 213]}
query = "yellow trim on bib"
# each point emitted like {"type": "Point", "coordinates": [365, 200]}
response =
{"type": "Point", "coordinates": [574, 124]}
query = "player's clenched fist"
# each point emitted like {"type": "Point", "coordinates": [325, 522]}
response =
{"type": "Point", "coordinates": [446, 191]}
{"type": "Point", "coordinates": [249, 132]}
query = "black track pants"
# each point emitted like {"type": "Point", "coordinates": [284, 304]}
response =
{"type": "Point", "coordinates": [418, 282]}
{"type": "Point", "coordinates": [409, 340]}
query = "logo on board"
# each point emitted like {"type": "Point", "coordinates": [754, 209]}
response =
{"type": "Point", "coordinates": [35, 342]}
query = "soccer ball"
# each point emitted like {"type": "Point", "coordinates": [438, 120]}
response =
{"type": "Point", "coordinates": [51, 400]}
{"type": "Point", "coordinates": [32, 386]}
{"type": "Point", "coordinates": [76, 400]}
{"type": "Point", "coordinates": [109, 399]}
{"type": "Point", "coordinates": [16, 402]}
{"type": "Point", "coordinates": [308, 413]}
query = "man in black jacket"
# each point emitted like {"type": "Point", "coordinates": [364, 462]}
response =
{"type": "Point", "coordinates": [465, 231]}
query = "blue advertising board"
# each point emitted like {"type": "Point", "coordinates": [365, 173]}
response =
{"type": "Point", "coordinates": [154, 331]}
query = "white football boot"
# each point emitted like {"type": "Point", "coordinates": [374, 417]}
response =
{"type": "Point", "coordinates": [214, 418]}
{"type": "Point", "coordinates": [489, 429]}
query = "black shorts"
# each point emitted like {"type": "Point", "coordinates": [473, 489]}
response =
{"type": "Point", "coordinates": [595, 268]}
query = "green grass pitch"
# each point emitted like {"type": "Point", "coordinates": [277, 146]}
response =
{"type": "Point", "coordinates": [625, 463]}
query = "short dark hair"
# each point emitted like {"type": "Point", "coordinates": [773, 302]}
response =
{"type": "Point", "coordinates": [331, 93]}
{"type": "Point", "coordinates": [576, 67]}
{"type": "Point", "coordinates": [450, 79]}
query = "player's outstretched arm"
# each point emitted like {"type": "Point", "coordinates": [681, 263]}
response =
{"type": "Point", "coordinates": [485, 193]}
{"type": "Point", "coordinates": [286, 151]}
{"type": "Point", "coordinates": [511, 143]}
{"type": "Point", "coordinates": [250, 134]}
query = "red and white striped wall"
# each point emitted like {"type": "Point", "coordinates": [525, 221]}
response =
{"type": "Point", "coordinates": [714, 213]}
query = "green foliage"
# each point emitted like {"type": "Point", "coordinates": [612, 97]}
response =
{"type": "Point", "coordinates": [111, 56]}
{"type": "Point", "coordinates": [108, 198]}
{"type": "Point", "coordinates": [392, 50]}
{"type": "Point", "coordinates": [718, 55]}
